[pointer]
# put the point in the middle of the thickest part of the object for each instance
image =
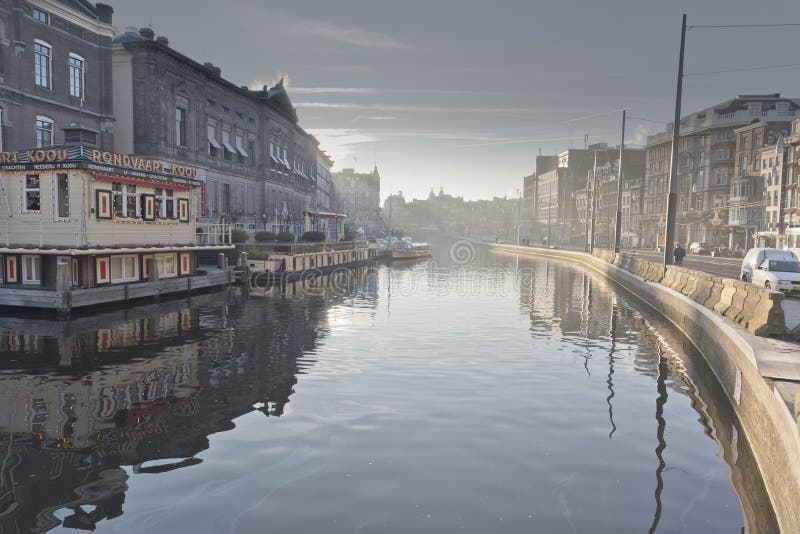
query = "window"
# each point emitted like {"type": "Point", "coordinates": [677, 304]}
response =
{"type": "Point", "coordinates": [180, 126]}
{"type": "Point", "coordinates": [117, 202]}
{"type": "Point", "coordinates": [226, 198]}
{"type": "Point", "coordinates": [722, 176]}
{"type": "Point", "coordinates": [41, 16]}
{"type": "Point", "coordinates": [759, 140]}
{"type": "Point", "coordinates": [723, 154]}
{"type": "Point", "coordinates": [226, 145]}
{"type": "Point", "coordinates": [251, 149]}
{"type": "Point", "coordinates": [743, 140]}
{"type": "Point", "coordinates": [125, 201]}
{"type": "Point", "coordinates": [165, 203]}
{"type": "Point", "coordinates": [213, 144]}
{"type": "Point", "coordinates": [32, 194]}
{"type": "Point", "coordinates": [243, 154]}
{"type": "Point", "coordinates": [131, 205]}
{"type": "Point", "coordinates": [41, 63]}
{"type": "Point", "coordinates": [76, 67]}
{"type": "Point", "coordinates": [32, 270]}
{"type": "Point", "coordinates": [62, 196]}
{"type": "Point", "coordinates": [44, 132]}
{"type": "Point", "coordinates": [167, 265]}
{"type": "Point", "coordinates": [124, 268]}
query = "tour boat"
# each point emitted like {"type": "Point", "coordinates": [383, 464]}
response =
{"type": "Point", "coordinates": [403, 250]}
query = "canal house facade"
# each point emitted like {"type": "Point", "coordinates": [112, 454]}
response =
{"type": "Point", "coordinates": [77, 218]}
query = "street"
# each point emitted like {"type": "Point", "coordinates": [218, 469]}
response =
{"type": "Point", "coordinates": [726, 267]}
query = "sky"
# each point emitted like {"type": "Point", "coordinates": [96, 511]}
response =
{"type": "Point", "coordinates": [463, 94]}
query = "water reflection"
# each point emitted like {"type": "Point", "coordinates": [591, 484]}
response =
{"type": "Point", "coordinates": [557, 437]}
{"type": "Point", "coordinates": [144, 387]}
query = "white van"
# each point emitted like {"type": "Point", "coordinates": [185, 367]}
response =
{"type": "Point", "coordinates": [756, 256]}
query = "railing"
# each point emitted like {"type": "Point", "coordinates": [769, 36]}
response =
{"type": "Point", "coordinates": [213, 234]}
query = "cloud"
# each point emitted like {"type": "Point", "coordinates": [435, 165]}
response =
{"type": "Point", "coordinates": [359, 118]}
{"type": "Point", "coordinates": [347, 34]}
{"type": "Point", "coordinates": [334, 90]}
{"type": "Point", "coordinates": [640, 136]}
{"type": "Point", "coordinates": [259, 83]}
{"type": "Point", "coordinates": [428, 109]}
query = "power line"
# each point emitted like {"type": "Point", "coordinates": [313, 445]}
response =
{"type": "Point", "coordinates": [722, 26]}
{"type": "Point", "coordinates": [601, 114]}
{"type": "Point", "coordinates": [647, 120]}
{"type": "Point", "coordinates": [743, 69]}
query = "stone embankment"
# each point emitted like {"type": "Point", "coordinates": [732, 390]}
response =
{"type": "Point", "coordinates": [730, 323]}
{"type": "Point", "coordinates": [758, 310]}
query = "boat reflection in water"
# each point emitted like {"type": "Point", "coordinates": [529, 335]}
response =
{"type": "Point", "coordinates": [143, 387]}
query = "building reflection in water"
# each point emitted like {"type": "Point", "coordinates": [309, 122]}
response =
{"type": "Point", "coordinates": [143, 387]}
{"type": "Point", "coordinates": [564, 303]}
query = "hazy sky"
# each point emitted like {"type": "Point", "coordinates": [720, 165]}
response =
{"type": "Point", "coordinates": [464, 93]}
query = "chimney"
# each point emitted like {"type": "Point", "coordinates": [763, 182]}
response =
{"type": "Point", "coordinates": [104, 12]}
{"type": "Point", "coordinates": [218, 71]}
{"type": "Point", "coordinates": [147, 33]}
{"type": "Point", "coordinates": [162, 40]}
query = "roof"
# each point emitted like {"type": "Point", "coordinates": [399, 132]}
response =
{"type": "Point", "coordinates": [83, 6]}
{"type": "Point", "coordinates": [275, 97]}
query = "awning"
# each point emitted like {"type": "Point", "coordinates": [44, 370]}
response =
{"type": "Point", "coordinates": [214, 143]}
{"type": "Point", "coordinates": [228, 147]}
{"type": "Point", "coordinates": [241, 150]}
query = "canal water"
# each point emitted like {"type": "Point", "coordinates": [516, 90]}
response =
{"type": "Point", "coordinates": [473, 393]}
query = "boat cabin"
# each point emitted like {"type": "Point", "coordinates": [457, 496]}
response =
{"type": "Point", "coordinates": [102, 214]}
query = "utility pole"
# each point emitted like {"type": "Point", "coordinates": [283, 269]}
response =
{"type": "Point", "coordinates": [672, 196]}
{"type": "Point", "coordinates": [549, 209]}
{"type": "Point", "coordinates": [519, 214]}
{"type": "Point", "coordinates": [618, 229]}
{"type": "Point", "coordinates": [588, 212]}
{"type": "Point", "coordinates": [594, 208]}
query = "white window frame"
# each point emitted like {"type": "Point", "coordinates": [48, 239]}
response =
{"type": "Point", "coordinates": [49, 56]}
{"type": "Point", "coordinates": [160, 260]}
{"type": "Point", "coordinates": [45, 16]}
{"type": "Point", "coordinates": [56, 215]}
{"type": "Point", "coordinates": [82, 72]}
{"type": "Point", "coordinates": [36, 279]}
{"type": "Point", "coordinates": [128, 277]}
{"type": "Point", "coordinates": [181, 139]}
{"type": "Point", "coordinates": [48, 120]}
{"type": "Point", "coordinates": [26, 190]}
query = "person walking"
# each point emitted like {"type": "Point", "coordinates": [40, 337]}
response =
{"type": "Point", "coordinates": [679, 253]}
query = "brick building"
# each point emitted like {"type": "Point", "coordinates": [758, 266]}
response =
{"type": "Point", "coordinates": [55, 74]}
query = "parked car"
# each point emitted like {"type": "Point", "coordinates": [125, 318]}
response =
{"type": "Point", "coordinates": [699, 248]}
{"type": "Point", "coordinates": [781, 275]}
{"type": "Point", "coordinates": [756, 256]}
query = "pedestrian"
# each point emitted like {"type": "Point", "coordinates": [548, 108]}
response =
{"type": "Point", "coordinates": [678, 254]}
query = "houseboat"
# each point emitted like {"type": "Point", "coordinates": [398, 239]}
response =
{"type": "Point", "coordinates": [269, 264]}
{"type": "Point", "coordinates": [82, 227]}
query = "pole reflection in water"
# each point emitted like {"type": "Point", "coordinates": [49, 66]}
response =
{"type": "Point", "coordinates": [661, 387]}
{"type": "Point", "coordinates": [610, 381]}
{"type": "Point", "coordinates": [311, 408]}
